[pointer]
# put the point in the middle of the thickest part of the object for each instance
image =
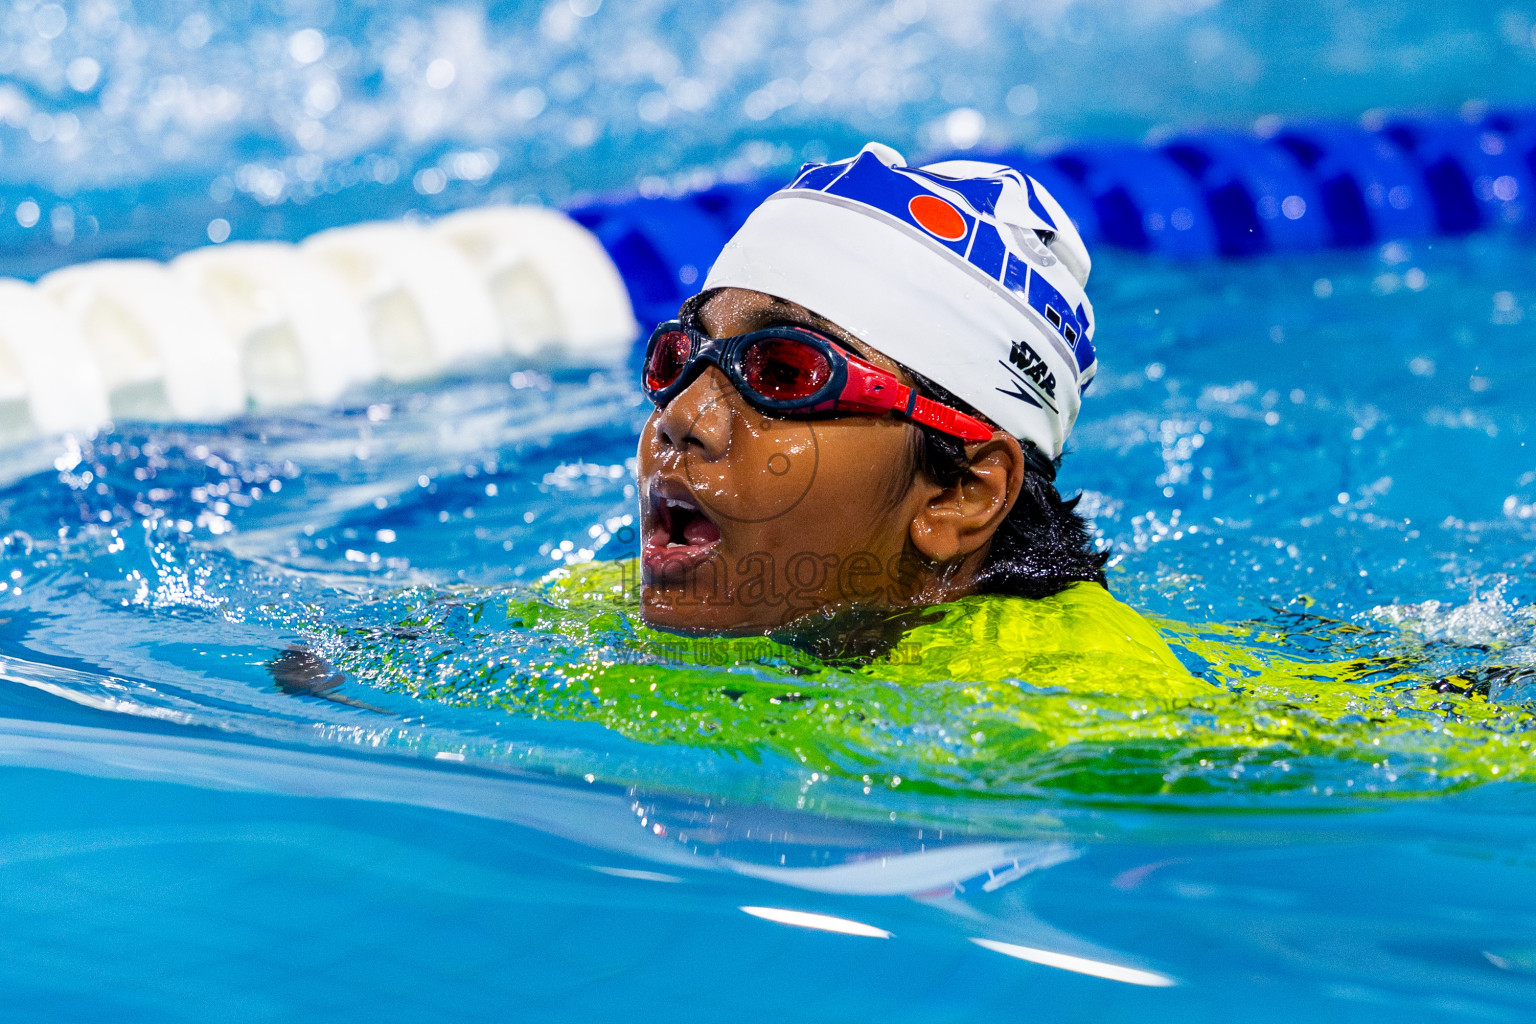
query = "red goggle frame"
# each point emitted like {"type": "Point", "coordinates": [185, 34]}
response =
{"type": "Point", "coordinates": [793, 371]}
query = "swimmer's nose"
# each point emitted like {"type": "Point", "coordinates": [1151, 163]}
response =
{"type": "Point", "coordinates": [698, 421]}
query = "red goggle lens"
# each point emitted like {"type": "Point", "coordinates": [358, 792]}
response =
{"type": "Point", "coordinates": [784, 370]}
{"type": "Point", "coordinates": [668, 358]}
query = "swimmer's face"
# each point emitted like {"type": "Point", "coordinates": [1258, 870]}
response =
{"type": "Point", "coordinates": [749, 521]}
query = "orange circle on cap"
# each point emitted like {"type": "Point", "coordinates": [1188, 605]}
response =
{"type": "Point", "coordinates": [937, 217]}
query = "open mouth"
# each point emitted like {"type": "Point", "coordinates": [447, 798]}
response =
{"type": "Point", "coordinates": [678, 535]}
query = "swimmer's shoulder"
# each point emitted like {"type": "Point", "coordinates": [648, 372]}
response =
{"type": "Point", "coordinates": [1089, 617]}
{"type": "Point", "coordinates": [1082, 639]}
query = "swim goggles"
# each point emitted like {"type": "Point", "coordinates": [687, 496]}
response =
{"type": "Point", "coordinates": [792, 371]}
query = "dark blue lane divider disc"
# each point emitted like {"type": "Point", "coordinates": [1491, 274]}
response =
{"type": "Point", "coordinates": [1518, 127]}
{"type": "Point", "coordinates": [1476, 177]}
{"type": "Point", "coordinates": [1371, 190]}
{"type": "Point", "coordinates": [1143, 200]}
{"type": "Point", "coordinates": [1260, 198]}
{"type": "Point", "coordinates": [1200, 195]}
{"type": "Point", "coordinates": [662, 247]}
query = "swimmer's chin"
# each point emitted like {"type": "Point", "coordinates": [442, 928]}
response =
{"type": "Point", "coordinates": [688, 616]}
{"type": "Point", "coordinates": [679, 611]}
{"type": "Point", "coordinates": [670, 618]}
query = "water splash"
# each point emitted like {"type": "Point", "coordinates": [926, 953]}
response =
{"type": "Point", "coordinates": [1298, 706]}
{"type": "Point", "coordinates": [300, 101]}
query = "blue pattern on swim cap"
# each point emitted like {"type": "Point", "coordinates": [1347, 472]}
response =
{"type": "Point", "coordinates": [868, 180]}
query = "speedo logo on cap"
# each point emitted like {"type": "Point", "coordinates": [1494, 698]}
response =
{"type": "Point", "coordinates": [951, 220]}
{"type": "Point", "coordinates": [1031, 380]}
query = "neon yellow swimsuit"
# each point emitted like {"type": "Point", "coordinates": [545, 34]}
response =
{"type": "Point", "coordinates": [995, 693]}
{"type": "Point", "coordinates": [1081, 640]}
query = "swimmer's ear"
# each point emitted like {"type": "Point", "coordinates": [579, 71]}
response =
{"type": "Point", "coordinates": [959, 520]}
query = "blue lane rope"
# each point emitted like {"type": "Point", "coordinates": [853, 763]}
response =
{"type": "Point", "coordinates": [1196, 196]}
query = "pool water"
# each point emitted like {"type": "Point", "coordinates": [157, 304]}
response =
{"type": "Point", "coordinates": [1350, 472]}
{"type": "Point", "coordinates": [1314, 461]}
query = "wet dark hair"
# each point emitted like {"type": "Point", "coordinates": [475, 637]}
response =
{"type": "Point", "coordinates": [1044, 544]}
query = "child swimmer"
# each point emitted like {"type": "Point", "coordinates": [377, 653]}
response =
{"type": "Point", "coordinates": [862, 412]}
{"type": "Point", "coordinates": [854, 554]}
{"type": "Point", "coordinates": [848, 512]}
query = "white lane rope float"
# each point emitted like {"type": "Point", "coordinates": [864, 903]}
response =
{"type": "Point", "coordinates": [252, 326]}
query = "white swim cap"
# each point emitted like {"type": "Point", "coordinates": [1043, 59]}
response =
{"type": "Point", "coordinates": [968, 273]}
